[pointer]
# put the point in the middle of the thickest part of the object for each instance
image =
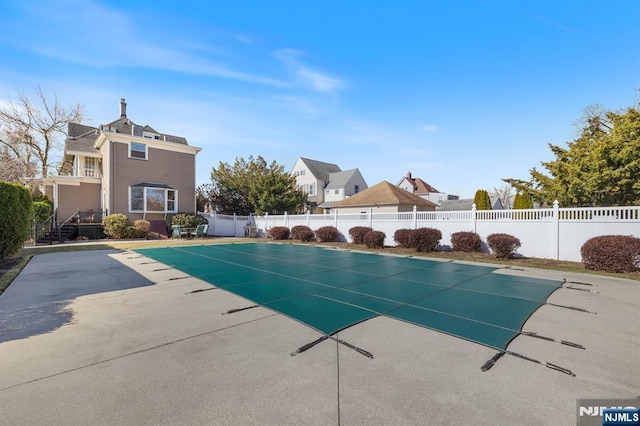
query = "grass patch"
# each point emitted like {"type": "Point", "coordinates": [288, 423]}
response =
{"type": "Point", "coordinates": [11, 267]}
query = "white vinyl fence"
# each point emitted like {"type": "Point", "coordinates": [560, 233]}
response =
{"type": "Point", "coordinates": [555, 233]}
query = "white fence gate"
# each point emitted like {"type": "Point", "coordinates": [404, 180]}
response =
{"type": "Point", "coordinates": [555, 233]}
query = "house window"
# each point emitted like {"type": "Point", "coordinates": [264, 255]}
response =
{"type": "Point", "coordinates": [145, 199]}
{"type": "Point", "coordinates": [138, 150]}
{"type": "Point", "coordinates": [327, 192]}
{"type": "Point", "coordinates": [311, 189]}
{"type": "Point", "coordinates": [90, 167]}
{"type": "Point", "coordinates": [356, 189]}
{"type": "Point", "coordinates": [336, 191]}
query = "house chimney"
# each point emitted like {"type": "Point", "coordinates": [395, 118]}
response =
{"type": "Point", "coordinates": [409, 175]}
{"type": "Point", "coordinates": [123, 108]}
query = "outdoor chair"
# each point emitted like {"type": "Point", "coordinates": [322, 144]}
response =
{"type": "Point", "coordinates": [177, 232]}
{"type": "Point", "coordinates": [200, 232]}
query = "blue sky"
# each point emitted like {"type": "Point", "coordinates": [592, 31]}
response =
{"type": "Point", "coordinates": [461, 93]}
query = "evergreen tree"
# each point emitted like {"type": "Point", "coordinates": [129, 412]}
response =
{"type": "Point", "coordinates": [482, 200]}
{"type": "Point", "coordinates": [600, 167]}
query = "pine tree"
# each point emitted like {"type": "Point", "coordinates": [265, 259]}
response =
{"type": "Point", "coordinates": [482, 200]}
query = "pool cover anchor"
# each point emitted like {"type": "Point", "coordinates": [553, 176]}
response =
{"type": "Point", "coordinates": [491, 362]}
{"type": "Point", "coordinates": [551, 339]}
{"type": "Point", "coordinates": [325, 337]}
{"type": "Point", "coordinates": [233, 311]}
{"type": "Point", "coordinates": [565, 281]}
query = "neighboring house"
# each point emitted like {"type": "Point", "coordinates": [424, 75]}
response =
{"type": "Point", "coordinates": [422, 189]}
{"type": "Point", "coordinates": [316, 178]}
{"type": "Point", "coordinates": [467, 203]}
{"type": "Point", "coordinates": [342, 185]}
{"type": "Point", "coordinates": [383, 197]}
{"type": "Point", "coordinates": [122, 167]}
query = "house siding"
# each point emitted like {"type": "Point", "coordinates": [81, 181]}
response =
{"type": "Point", "coordinates": [72, 198]}
{"type": "Point", "coordinates": [175, 169]}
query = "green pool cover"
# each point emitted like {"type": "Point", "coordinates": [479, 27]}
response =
{"type": "Point", "coordinates": [330, 290]}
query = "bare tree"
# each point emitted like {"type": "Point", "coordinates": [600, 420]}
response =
{"type": "Point", "coordinates": [31, 130]}
{"type": "Point", "coordinates": [504, 193]}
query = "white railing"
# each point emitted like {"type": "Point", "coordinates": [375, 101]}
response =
{"type": "Point", "coordinates": [553, 233]}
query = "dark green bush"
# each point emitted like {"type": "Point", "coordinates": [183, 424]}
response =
{"type": "Point", "coordinates": [116, 226]}
{"type": "Point", "coordinates": [41, 211]}
{"type": "Point", "coordinates": [611, 253]}
{"type": "Point", "coordinates": [401, 237]}
{"type": "Point", "coordinates": [374, 239]}
{"type": "Point", "coordinates": [425, 239]}
{"type": "Point", "coordinates": [503, 246]}
{"type": "Point", "coordinates": [357, 233]}
{"type": "Point", "coordinates": [188, 220]}
{"type": "Point", "coordinates": [302, 233]}
{"type": "Point", "coordinates": [279, 233]}
{"type": "Point", "coordinates": [327, 234]}
{"type": "Point", "coordinates": [466, 241]}
{"type": "Point", "coordinates": [16, 213]}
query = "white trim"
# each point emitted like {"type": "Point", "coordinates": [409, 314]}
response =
{"type": "Point", "coordinates": [151, 143]}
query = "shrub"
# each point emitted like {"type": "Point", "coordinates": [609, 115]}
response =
{"type": "Point", "coordinates": [115, 226]}
{"type": "Point", "coordinates": [41, 211]}
{"type": "Point", "coordinates": [466, 241]}
{"type": "Point", "coordinates": [357, 233]}
{"type": "Point", "coordinates": [302, 233]}
{"type": "Point", "coordinates": [503, 245]}
{"type": "Point", "coordinates": [16, 212]}
{"type": "Point", "coordinates": [374, 239]}
{"type": "Point", "coordinates": [425, 239]}
{"type": "Point", "coordinates": [612, 253]}
{"type": "Point", "coordinates": [327, 234]}
{"type": "Point", "coordinates": [140, 229]}
{"type": "Point", "coordinates": [188, 220]}
{"type": "Point", "coordinates": [401, 237]}
{"type": "Point", "coordinates": [279, 233]}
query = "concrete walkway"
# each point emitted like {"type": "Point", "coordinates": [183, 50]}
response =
{"type": "Point", "coordinates": [111, 337]}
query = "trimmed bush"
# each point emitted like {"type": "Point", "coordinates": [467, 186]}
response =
{"type": "Point", "coordinates": [41, 211]}
{"type": "Point", "coordinates": [466, 241]}
{"type": "Point", "coordinates": [357, 233]}
{"type": "Point", "coordinates": [425, 239]}
{"type": "Point", "coordinates": [401, 237]}
{"type": "Point", "coordinates": [279, 233]}
{"type": "Point", "coordinates": [611, 253]}
{"type": "Point", "coordinates": [140, 229]}
{"type": "Point", "coordinates": [302, 233]}
{"type": "Point", "coordinates": [188, 220]}
{"type": "Point", "coordinates": [503, 246]}
{"type": "Point", "coordinates": [115, 226]}
{"type": "Point", "coordinates": [374, 239]}
{"type": "Point", "coordinates": [16, 213]}
{"type": "Point", "coordinates": [327, 234]}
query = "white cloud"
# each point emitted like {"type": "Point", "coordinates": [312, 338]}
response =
{"type": "Point", "coordinates": [316, 80]}
{"type": "Point", "coordinates": [429, 128]}
{"type": "Point", "coordinates": [74, 36]}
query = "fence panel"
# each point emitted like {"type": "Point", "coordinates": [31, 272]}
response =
{"type": "Point", "coordinates": [544, 233]}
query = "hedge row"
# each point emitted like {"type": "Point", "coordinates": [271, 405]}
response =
{"type": "Point", "coordinates": [16, 213]}
{"type": "Point", "coordinates": [304, 233]}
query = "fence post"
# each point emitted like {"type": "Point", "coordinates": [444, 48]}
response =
{"type": "Point", "coordinates": [335, 218]}
{"type": "Point", "coordinates": [415, 217]}
{"type": "Point", "coordinates": [235, 224]}
{"type": "Point", "coordinates": [473, 217]}
{"type": "Point", "coordinates": [370, 217]}
{"type": "Point", "coordinates": [286, 219]}
{"type": "Point", "coordinates": [308, 219]}
{"type": "Point", "coordinates": [555, 238]}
